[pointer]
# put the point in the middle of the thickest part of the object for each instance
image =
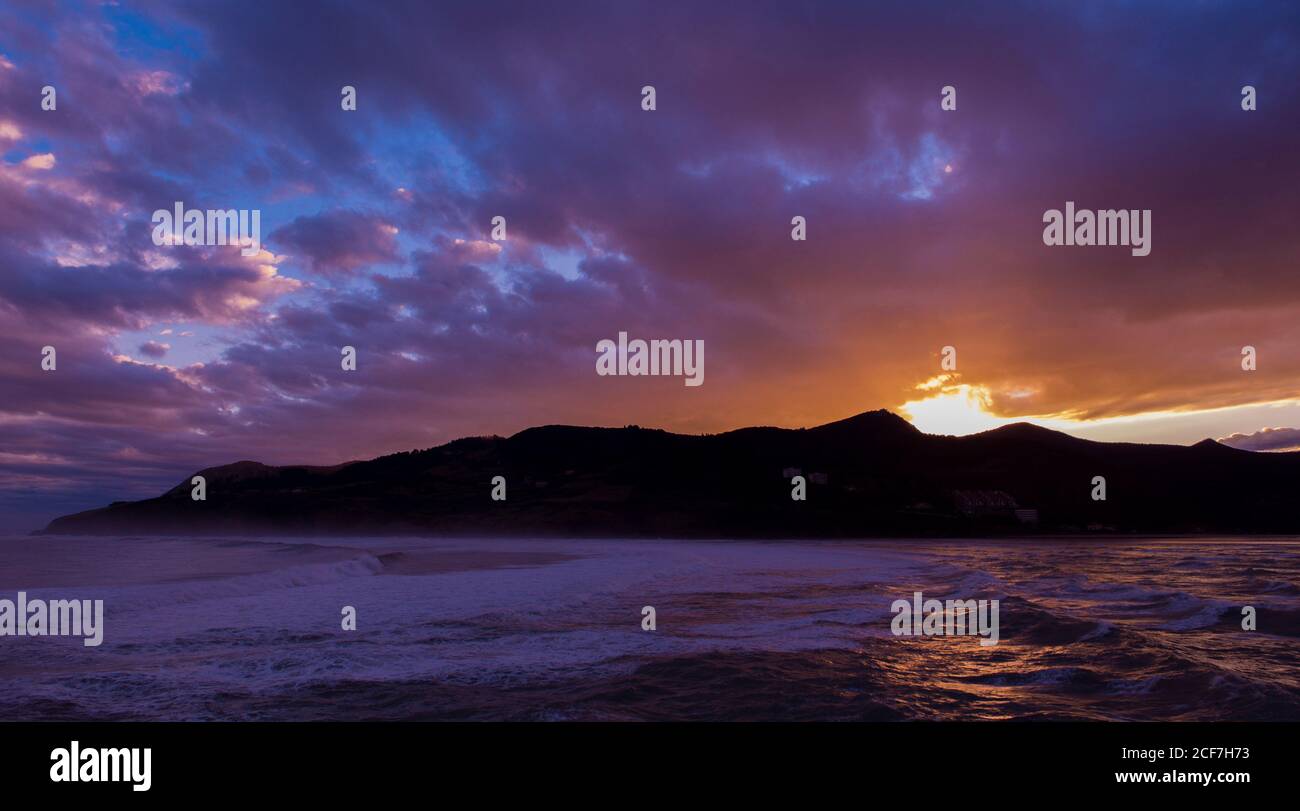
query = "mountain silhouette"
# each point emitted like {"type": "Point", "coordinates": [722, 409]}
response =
{"type": "Point", "coordinates": [873, 474]}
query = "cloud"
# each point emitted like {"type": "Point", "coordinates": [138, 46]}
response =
{"type": "Point", "coordinates": [41, 161]}
{"type": "Point", "coordinates": [213, 288]}
{"type": "Point", "coordinates": [154, 349]}
{"type": "Point", "coordinates": [1266, 439]}
{"type": "Point", "coordinates": [340, 241]}
{"type": "Point", "coordinates": [158, 82]}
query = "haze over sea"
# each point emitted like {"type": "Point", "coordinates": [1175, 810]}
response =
{"type": "Point", "coordinates": [221, 628]}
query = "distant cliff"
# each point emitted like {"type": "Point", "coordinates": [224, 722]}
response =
{"type": "Point", "coordinates": [869, 475]}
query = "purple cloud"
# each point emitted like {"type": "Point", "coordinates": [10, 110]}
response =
{"type": "Point", "coordinates": [1266, 439]}
{"type": "Point", "coordinates": [340, 241]}
{"type": "Point", "coordinates": [154, 349]}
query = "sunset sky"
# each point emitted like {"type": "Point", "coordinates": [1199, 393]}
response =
{"type": "Point", "coordinates": [924, 226]}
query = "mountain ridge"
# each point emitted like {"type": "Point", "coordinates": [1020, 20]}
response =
{"type": "Point", "coordinates": [871, 474]}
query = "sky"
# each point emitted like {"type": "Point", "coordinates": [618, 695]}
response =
{"type": "Point", "coordinates": [924, 226]}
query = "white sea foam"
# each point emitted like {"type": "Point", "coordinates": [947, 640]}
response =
{"type": "Point", "coordinates": [196, 617]}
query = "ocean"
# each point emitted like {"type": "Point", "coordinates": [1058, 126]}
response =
{"type": "Point", "coordinates": [549, 630]}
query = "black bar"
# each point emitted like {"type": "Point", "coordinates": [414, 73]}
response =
{"type": "Point", "coordinates": [1060, 761]}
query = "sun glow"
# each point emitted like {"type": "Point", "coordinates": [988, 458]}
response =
{"type": "Point", "coordinates": [956, 410]}
{"type": "Point", "coordinates": [962, 408]}
{"type": "Point", "coordinates": [944, 406]}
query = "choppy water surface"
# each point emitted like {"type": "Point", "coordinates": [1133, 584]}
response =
{"type": "Point", "coordinates": [514, 629]}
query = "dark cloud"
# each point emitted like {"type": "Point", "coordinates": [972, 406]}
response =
{"type": "Point", "coordinates": [340, 241]}
{"type": "Point", "coordinates": [154, 349]}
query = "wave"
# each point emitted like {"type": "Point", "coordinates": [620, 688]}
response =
{"type": "Point", "coordinates": [149, 597]}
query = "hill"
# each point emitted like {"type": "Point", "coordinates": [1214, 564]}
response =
{"type": "Point", "coordinates": [870, 475]}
